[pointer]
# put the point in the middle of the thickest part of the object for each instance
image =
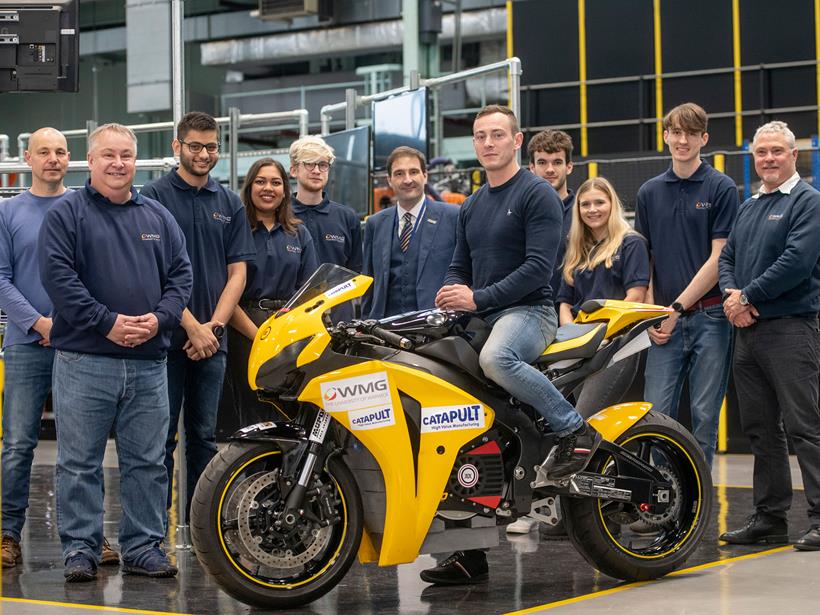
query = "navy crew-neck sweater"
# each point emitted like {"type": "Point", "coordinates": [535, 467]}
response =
{"type": "Point", "coordinates": [99, 259]}
{"type": "Point", "coordinates": [506, 242]}
{"type": "Point", "coordinates": [773, 253]}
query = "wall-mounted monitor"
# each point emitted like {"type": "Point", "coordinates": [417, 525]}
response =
{"type": "Point", "coordinates": [399, 120]}
{"type": "Point", "coordinates": [349, 181]}
{"type": "Point", "coordinates": [39, 45]}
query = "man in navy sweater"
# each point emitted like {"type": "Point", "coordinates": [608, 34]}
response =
{"type": "Point", "coordinates": [770, 275]}
{"type": "Point", "coordinates": [218, 242]}
{"type": "Point", "coordinates": [114, 265]}
{"type": "Point", "coordinates": [507, 237]}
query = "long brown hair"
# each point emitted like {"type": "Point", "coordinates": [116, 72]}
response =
{"type": "Point", "coordinates": [283, 214]}
{"type": "Point", "coordinates": [583, 252]}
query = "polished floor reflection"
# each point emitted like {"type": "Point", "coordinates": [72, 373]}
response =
{"type": "Point", "coordinates": [526, 573]}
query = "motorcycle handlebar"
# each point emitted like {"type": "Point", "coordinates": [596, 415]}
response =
{"type": "Point", "coordinates": [394, 339]}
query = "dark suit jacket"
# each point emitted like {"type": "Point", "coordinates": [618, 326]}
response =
{"type": "Point", "coordinates": [437, 233]}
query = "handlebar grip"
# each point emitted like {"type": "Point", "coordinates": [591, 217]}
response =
{"type": "Point", "coordinates": [219, 331]}
{"type": "Point", "coordinates": [394, 339]}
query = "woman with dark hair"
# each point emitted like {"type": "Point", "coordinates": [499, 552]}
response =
{"type": "Point", "coordinates": [285, 258]}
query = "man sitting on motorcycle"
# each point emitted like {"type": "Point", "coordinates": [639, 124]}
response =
{"type": "Point", "coordinates": [507, 237]}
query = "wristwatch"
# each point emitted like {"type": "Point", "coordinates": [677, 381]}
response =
{"type": "Point", "coordinates": [678, 307]}
{"type": "Point", "coordinates": [744, 300]}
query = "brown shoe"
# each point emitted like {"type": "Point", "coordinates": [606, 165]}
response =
{"type": "Point", "coordinates": [109, 557]}
{"type": "Point", "coordinates": [11, 552]}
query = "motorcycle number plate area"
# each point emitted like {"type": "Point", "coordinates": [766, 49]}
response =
{"type": "Point", "coordinates": [317, 434]}
{"type": "Point", "coordinates": [598, 487]}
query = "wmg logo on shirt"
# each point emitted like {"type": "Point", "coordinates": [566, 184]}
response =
{"type": "Point", "coordinates": [775, 216]}
{"type": "Point", "coordinates": [703, 205]}
{"type": "Point", "coordinates": [149, 236]}
{"type": "Point", "coordinates": [221, 218]}
{"type": "Point", "coordinates": [293, 249]}
{"type": "Point", "coordinates": [336, 238]}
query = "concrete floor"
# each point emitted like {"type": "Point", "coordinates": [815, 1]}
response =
{"type": "Point", "coordinates": [527, 575]}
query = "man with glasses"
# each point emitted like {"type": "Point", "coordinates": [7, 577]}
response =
{"type": "Point", "coordinates": [335, 228]}
{"type": "Point", "coordinates": [218, 240]}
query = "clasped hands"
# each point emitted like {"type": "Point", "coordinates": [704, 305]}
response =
{"type": "Point", "coordinates": [131, 331]}
{"type": "Point", "coordinates": [738, 314]}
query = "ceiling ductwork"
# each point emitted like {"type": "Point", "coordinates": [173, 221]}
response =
{"type": "Point", "coordinates": [346, 40]}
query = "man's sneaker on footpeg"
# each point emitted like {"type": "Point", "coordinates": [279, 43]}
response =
{"type": "Point", "coordinates": [573, 452]}
{"type": "Point", "coordinates": [150, 563]}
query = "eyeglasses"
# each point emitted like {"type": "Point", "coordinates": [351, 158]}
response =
{"type": "Point", "coordinates": [195, 147]}
{"type": "Point", "coordinates": [323, 166]}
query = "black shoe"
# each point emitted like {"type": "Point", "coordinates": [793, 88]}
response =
{"type": "Point", "coordinates": [760, 528]}
{"type": "Point", "coordinates": [151, 563]}
{"type": "Point", "coordinates": [79, 568]}
{"type": "Point", "coordinates": [461, 568]}
{"type": "Point", "coordinates": [810, 540]}
{"type": "Point", "coordinates": [553, 532]}
{"type": "Point", "coordinates": [574, 452]}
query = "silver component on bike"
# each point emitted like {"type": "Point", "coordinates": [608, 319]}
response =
{"type": "Point", "coordinates": [541, 479]}
{"type": "Point", "coordinates": [519, 473]}
{"type": "Point", "coordinates": [456, 515]}
{"type": "Point", "coordinates": [546, 510]}
{"type": "Point", "coordinates": [671, 512]}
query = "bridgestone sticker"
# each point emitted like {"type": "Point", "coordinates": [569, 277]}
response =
{"type": "Point", "coordinates": [338, 290]}
{"type": "Point", "coordinates": [449, 418]}
{"type": "Point", "coordinates": [371, 419]}
{"type": "Point", "coordinates": [370, 392]}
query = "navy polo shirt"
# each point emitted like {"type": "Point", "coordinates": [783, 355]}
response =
{"type": "Point", "coordinates": [336, 231]}
{"type": "Point", "coordinates": [630, 268]}
{"type": "Point", "coordinates": [98, 259]}
{"type": "Point", "coordinates": [216, 232]}
{"type": "Point", "coordinates": [680, 218]}
{"type": "Point", "coordinates": [283, 262]}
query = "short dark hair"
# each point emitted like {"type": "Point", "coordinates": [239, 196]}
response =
{"type": "Point", "coordinates": [688, 116]}
{"type": "Point", "coordinates": [550, 141]}
{"type": "Point", "coordinates": [490, 109]}
{"type": "Point", "coordinates": [196, 120]}
{"type": "Point", "coordinates": [403, 151]}
{"type": "Point", "coordinates": [284, 213]}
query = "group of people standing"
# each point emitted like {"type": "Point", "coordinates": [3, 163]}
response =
{"type": "Point", "coordinates": [131, 289]}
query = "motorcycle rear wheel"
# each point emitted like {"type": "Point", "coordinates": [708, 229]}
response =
{"type": "Point", "coordinates": [232, 516]}
{"type": "Point", "coordinates": [603, 530]}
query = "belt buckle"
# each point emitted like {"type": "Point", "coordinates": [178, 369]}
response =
{"type": "Point", "coordinates": [259, 304]}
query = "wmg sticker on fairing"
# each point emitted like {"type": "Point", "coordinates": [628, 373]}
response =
{"type": "Point", "coordinates": [359, 393]}
{"type": "Point", "coordinates": [448, 418]}
{"type": "Point", "coordinates": [371, 419]}
{"type": "Point", "coordinates": [339, 289]}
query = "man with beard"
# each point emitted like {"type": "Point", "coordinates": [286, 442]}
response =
{"type": "Point", "coordinates": [218, 240]}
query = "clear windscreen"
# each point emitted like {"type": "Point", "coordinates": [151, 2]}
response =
{"type": "Point", "coordinates": [327, 277]}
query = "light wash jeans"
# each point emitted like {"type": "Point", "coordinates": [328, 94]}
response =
{"type": "Point", "coordinates": [28, 382]}
{"type": "Point", "coordinates": [519, 336]}
{"type": "Point", "coordinates": [92, 394]}
{"type": "Point", "coordinates": [700, 347]}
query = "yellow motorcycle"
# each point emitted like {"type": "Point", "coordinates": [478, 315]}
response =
{"type": "Point", "coordinates": [392, 444]}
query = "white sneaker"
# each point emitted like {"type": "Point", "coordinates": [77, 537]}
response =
{"type": "Point", "coordinates": [524, 525]}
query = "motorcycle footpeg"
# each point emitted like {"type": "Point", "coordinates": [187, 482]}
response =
{"type": "Point", "coordinates": [541, 479]}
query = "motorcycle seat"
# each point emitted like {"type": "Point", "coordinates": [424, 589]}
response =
{"type": "Point", "coordinates": [574, 341]}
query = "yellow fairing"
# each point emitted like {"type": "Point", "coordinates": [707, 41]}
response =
{"type": "Point", "coordinates": [302, 322]}
{"type": "Point", "coordinates": [621, 314]}
{"type": "Point", "coordinates": [577, 342]}
{"type": "Point", "coordinates": [410, 504]}
{"type": "Point", "coordinates": [612, 422]}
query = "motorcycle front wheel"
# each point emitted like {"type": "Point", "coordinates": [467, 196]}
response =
{"type": "Point", "coordinates": [234, 516]}
{"type": "Point", "coordinates": [624, 542]}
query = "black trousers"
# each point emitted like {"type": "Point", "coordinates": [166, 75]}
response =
{"type": "Point", "coordinates": [246, 404]}
{"type": "Point", "coordinates": [776, 369]}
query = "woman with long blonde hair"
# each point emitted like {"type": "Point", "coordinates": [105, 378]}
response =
{"type": "Point", "coordinates": [605, 259]}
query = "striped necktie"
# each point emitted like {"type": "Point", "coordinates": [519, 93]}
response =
{"type": "Point", "coordinates": [406, 231]}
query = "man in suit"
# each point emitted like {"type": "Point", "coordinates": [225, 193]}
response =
{"type": "Point", "coordinates": [407, 248]}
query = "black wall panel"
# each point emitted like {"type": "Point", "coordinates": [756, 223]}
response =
{"type": "Point", "coordinates": [545, 37]}
{"type": "Point", "coordinates": [696, 34]}
{"type": "Point", "coordinates": [619, 38]}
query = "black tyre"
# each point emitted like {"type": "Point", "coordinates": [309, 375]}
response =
{"type": "Point", "coordinates": [626, 543]}
{"type": "Point", "coordinates": [236, 541]}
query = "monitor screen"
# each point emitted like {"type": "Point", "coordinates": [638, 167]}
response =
{"type": "Point", "coordinates": [39, 45]}
{"type": "Point", "coordinates": [399, 120]}
{"type": "Point", "coordinates": [349, 181]}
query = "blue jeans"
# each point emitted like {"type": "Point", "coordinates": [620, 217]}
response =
{"type": "Point", "coordinates": [700, 347]}
{"type": "Point", "coordinates": [92, 394]}
{"type": "Point", "coordinates": [197, 384]}
{"type": "Point", "coordinates": [28, 382]}
{"type": "Point", "coordinates": [519, 336]}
